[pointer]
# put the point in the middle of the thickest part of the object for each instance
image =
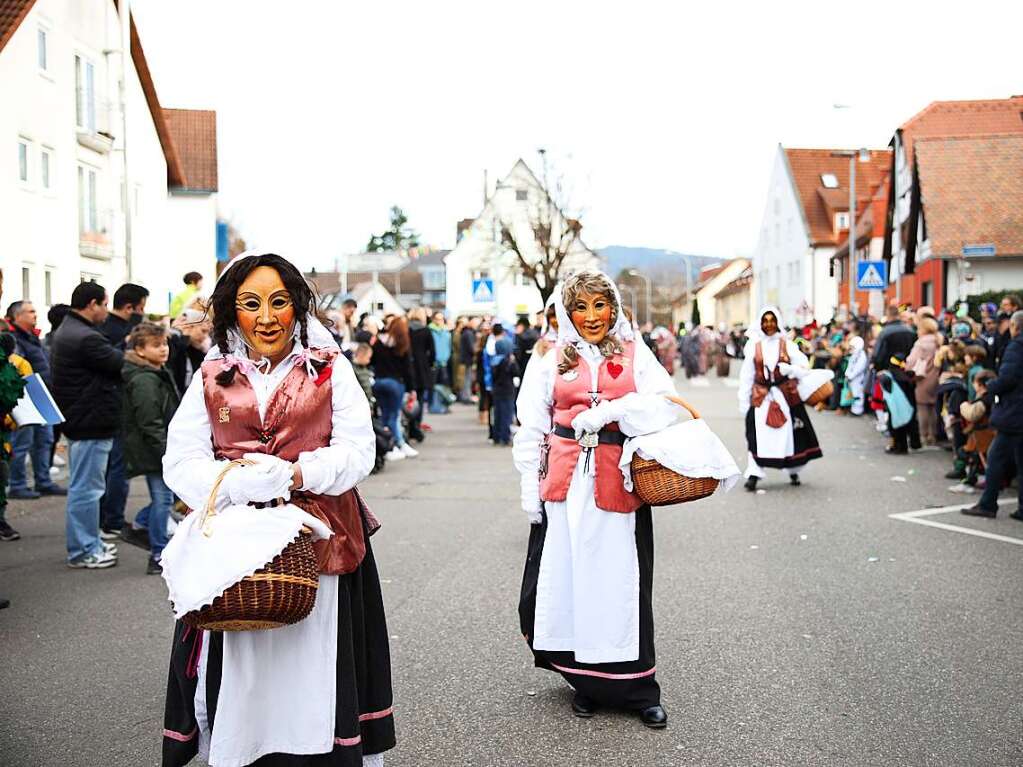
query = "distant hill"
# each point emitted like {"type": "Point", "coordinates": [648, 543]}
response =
{"type": "Point", "coordinates": [651, 261]}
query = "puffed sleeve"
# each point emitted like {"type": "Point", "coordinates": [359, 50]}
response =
{"type": "Point", "coordinates": [349, 458]}
{"type": "Point", "coordinates": [647, 410]}
{"type": "Point", "coordinates": [747, 372]}
{"type": "Point", "coordinates": [535, 412]}
{"type": "Point", "coordinates": [189, 468]}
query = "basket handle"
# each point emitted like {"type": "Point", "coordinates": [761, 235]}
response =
{"type": "Point", "coordinates": [210, 510]}
{"type": "Point", "coordinates": [682, 403]}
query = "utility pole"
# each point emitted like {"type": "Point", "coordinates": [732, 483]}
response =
{"type": "Point", "coordinates": [124, 6]}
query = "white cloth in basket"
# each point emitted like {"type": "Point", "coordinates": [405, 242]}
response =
{"type": "Point", "coordinates": [812, 381]}
{"type": "Point", "coordinates": [198, 568]}
{"type": "Point", "coordinates": [689, 448]}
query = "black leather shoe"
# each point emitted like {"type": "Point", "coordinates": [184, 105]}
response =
{"type": "Point", "coordinates": [794, 480]}
{"type": "Point", "coordinates": [978, 511]}
{"type": "Point", "coordinates": [751, 484]}
{"type": "Point", "coordinates": [583, 707]}
{"type": "Point", "coordinates": [1017, 515]}
{"type": "Point", "coordinates": [655, 717]}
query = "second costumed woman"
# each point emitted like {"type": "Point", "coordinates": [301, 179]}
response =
{"type": "Point", "coordinates": [779, 434]}
{"type": "Point", "coordinates": [585, 607]}
{"type": "Point", "coordinates": [275, 389]}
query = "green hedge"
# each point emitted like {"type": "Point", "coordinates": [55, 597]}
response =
{"type": "Point", "coordinates": [989, 296]}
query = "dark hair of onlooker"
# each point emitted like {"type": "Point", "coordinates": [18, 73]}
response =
{"type": "Point", "coordinates": [13, 309]}
{"type": "Point", "coordinates": [129, 294]}
{"type": "Point", "coordinates": [87, 292]}
{"type": "Point", "coordinates": [497, 329]}
{"type": "Point", "coordinates": [224, 310]}
{"type": "Point", "coordinates": [1013, 299]}
{"type": "Point", "coordinates": [56, 315]}
{"type": "Point", "coordinates": [144, 332]}
{"type": "Point", "coordinates": [349, 302]}
{"type": "Point", "coordinates": [522, 323]}
{"type": "Point", "coordinates": [397, 329]}
{"type": "Point", "coordinates": [192, 277]}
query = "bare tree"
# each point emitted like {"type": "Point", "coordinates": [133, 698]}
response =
{"type": "Point", "coordinates": [542, 246]}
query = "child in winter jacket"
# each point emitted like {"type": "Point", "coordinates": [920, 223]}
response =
{"type": "Point", "coordinates": [150, 399]}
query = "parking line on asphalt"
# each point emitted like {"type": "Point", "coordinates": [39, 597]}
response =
{"type": "Point", "coordinates": [918, 517]}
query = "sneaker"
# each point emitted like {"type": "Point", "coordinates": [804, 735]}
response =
{"type": "Point", "coordinates": [8, 533]}
{"type": "Point", "coordinates": [962, 487]}
{"type": "Point", "coordinates": [23, 495]}
{"type": "Point", "coordinates": [109, 535]}
{"type": "Point", "coordinates": [54, 471]}
{"type": "Point", "coordinates": [94, 562]}
{"type": "Point", "coordinates": [1017, 515]}
{"type": "Point", "coordinates": [136, 536]}
{"type": "Point", "coordinates": [52, 490]}
{"type": "Point", "coordinates": [408, 451]}
{"type": "Point", "coordinates": [59, 460]}
{"type": "Point", "coordinates": [109, 548]}
{"type": "Point", "coordinates": [956, 474]}
{"type": "Point", "coordinates": [395, 455]}
{"type": "Point", "coordinates": [153, 567]}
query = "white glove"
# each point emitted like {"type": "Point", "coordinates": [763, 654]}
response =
{"type": "Point", "coordinates": [596, 418]}
{"type": "Point", "coordinates": [535, 516]}
{"type": "Point", "coordinates": [268, 478]}
{"type": "Point", "coordinates": [792, 371]}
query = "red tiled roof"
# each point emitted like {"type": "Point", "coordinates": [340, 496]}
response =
{"type": "Point", "coordinates": [194, 132]}
{"type": "Point", "coordinates": [12, 13]}
{"type": "Point", "coordinates": [745, 278]}
{"type": "Point", "coordinates": [971, 190]}
{"type": "Point", "coordinates": [963, 118]}
{"type": "Point", "coordinates": [806, 167]}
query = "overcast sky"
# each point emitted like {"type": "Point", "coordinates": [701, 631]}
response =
{"type": "Point", "coordinates": [664, 116]}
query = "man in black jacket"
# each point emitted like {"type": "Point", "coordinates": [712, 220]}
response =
{"type": "Point", "coordinates": [896, 338]}
{"type": "Point", "coordinates": [32, 439]}
{"type": "Point", "coordinates": [87, 388]}
{"type": "Point", "coordinates": [129, 310]}
{"type": "Point", "coordinates": [467, 355]}
{"type": "Point", "coordinates": [1006, 451]}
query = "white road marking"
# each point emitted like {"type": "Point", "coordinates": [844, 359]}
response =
{"type": "Point", "coordinates": [918, 518]}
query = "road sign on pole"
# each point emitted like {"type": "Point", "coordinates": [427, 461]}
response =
{"type": "Point", "coordinates": [872, 275]}
{"type": "Point", "coordinates": [483, 291]}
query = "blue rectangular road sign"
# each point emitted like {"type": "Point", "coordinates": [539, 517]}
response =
{"type": "Point", "coordinates": [871, 275]}
{"type": "Point", "coordinates": [483, 291]}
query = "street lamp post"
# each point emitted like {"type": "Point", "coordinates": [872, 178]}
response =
{"type": "Point", "coordinates": [649, 290]}
{"type": "Point", "coordinates": [632, 292]}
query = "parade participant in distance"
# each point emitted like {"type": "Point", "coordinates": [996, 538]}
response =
{"type": "Point", "coordinates": [585, 606]}
{"type": "Point", "coordinates": [549, 335]}
{"type": "Point", "coordinates": [778, 429]}
{"type": "Point", "coordinates": [276, 388]}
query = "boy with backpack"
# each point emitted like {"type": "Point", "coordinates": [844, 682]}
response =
{"type": "Point", "coordinates": [150, 399]}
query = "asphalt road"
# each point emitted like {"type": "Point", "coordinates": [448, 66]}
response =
{"type": "Point", "coordinates": [798, 626]}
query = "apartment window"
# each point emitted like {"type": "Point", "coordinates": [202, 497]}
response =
{"type": "Point", "coordinates": [45, 165]}
{"type": "Point", "coordinates": [85, 92]}
{"type": "Point", "coordinates": [41, 57]}
{"type": "Point", "coordinates": [48, 286]}
{"type": "Point", "coordinates": [26, 283]}
{"type": "Point", "coordinates": [841, 221]}
{"type": "Point", "coordinates": [829, 180]}
{"type": "Point", "coordinates": [521, 195]}
{"type": "Point", "coordinates": [23, 161]}
{"type": "Point", "coordinates": [86, 200]}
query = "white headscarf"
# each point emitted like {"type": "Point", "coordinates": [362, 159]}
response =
{"type": "Point", "coordinates": [856, 344]}
{"type": "Point", "coordinates": [567, 334]}
{"type": "Point", "coordinates": [549, 333]}
{"type": "Point", "coordinates": [318, 336]}
{"type": "Point", "coordinates": [756, 334]}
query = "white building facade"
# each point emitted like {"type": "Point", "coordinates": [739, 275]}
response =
{"type": "Point", "coordinates": [479, 254]}
{"type": "Point", "coordinates": [62, 163]}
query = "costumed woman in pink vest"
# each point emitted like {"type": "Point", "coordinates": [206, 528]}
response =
{"type": "Point", "coordinates": [779, 434]}
{"type": "Point", "coordinates": [275, 388]}
{"type": "Point", "coordinates": [585, 606]}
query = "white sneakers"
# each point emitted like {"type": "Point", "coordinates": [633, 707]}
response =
{"type": "Point", "coordinates": [395, 454]}
{"type": "Point", "coordinates": [408, 451]}
{"type": "Point", "coordinates": [95, 561]}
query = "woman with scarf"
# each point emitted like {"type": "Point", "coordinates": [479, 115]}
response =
{"type": "Point", "coordinates": [276, 390]}
{"type": "Point", "coordinates": [779, 434]}
{"type": "Point", "coordinates": [585, 606]}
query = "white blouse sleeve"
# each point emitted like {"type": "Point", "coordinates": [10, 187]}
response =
{"type": "Point", "coordinates": [189, 468]}
{"type": "Point", "coordinates": [747, 372]}
{"type": "Point", "coordinates": [647, 410]}
{"type": "Point", "coordinates": [349, 458]}
{"type": "Point", "coordinates": [535, 412]}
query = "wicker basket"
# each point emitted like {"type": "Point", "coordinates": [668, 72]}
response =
{"type": "Point", "coordinates": [281, 593]}
{"type": "Point", "coordinates": [658, 486]}
{"type": "Point", "coordinates": [821, 394]}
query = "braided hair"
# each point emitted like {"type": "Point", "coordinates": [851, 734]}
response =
{"type": "Point", "coordinates": [593, 283]}
{"type": "Point", "coordinates": [224, 311]}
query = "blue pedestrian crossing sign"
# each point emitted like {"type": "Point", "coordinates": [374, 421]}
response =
{"type": "Point", "coordinates": [483, 291]}
{"type": "Point", "coordinates": [872, 275]}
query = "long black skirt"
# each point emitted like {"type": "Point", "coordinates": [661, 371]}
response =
{"type": "Point", "coordinates": [805, 447]}
{"type": "Point", "coordinates": [627, 685]}
{"type": "Point", "coordinates": [364, 722]}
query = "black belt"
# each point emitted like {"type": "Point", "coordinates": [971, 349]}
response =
{"type": "Point", "coordinates": [604, 436]}
{"type": "Point", "coordinates": [268, 504]}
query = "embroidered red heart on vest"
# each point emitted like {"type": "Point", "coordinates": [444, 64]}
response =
{"type": "Point", "coordinates": [614, 369]}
